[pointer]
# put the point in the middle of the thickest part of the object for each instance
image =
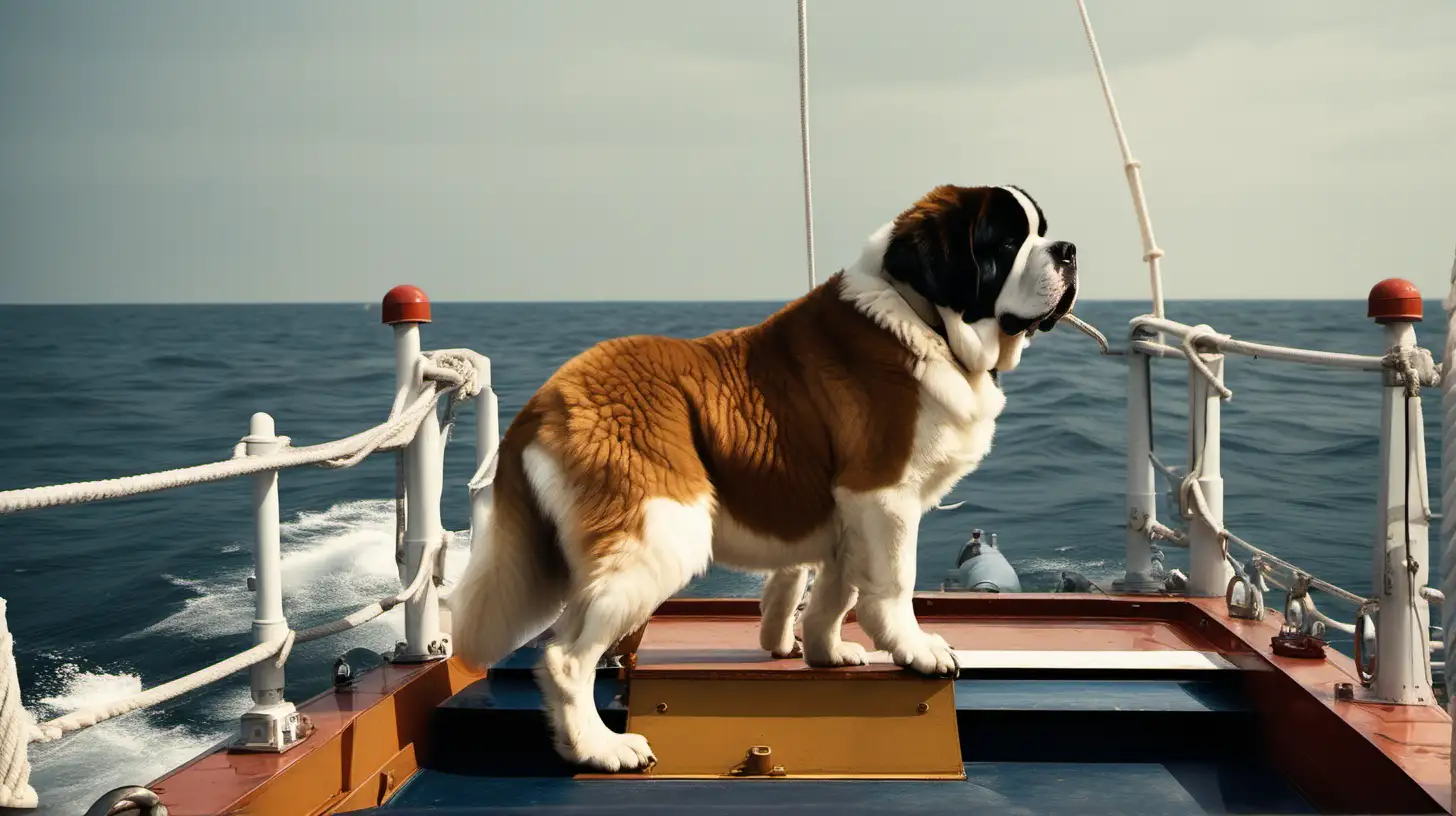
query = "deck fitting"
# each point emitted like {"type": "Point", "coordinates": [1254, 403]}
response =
{"type": "Point", "coordinates": [759, 762]}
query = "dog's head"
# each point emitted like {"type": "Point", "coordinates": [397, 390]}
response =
{"type": "Point", "coordinates": [981, 258]}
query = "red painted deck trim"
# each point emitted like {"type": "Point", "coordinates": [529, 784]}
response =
{"type": "Point", "coordinates": [1414, 740]}
{"type": "Point", "coordinates": [222, 782]}
{"type": "Point", "coordinates": [1344, 756]}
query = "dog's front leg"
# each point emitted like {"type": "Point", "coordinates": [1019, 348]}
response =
{"type": "Point", "coordinates": [781, 595]}
{"type": "Point", "coordinates": [881, 532]}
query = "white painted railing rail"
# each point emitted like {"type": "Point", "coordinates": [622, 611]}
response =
{"type": "Point", "coordinates": [1396, 616]}
{"type": "Point", "coordinates": [413, 427]}
{"type": "Point", "coordinates": [1401, 672]}
{"type": "Point", "coordinates": [1208, 340]}
{"type": "Point", "coordinates": [442, 376]}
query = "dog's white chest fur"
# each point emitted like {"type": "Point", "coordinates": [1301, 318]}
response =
{"type": "Point", "coordinates": [951, 437]}
{"type": "Point", "coordinates": [957, 414]}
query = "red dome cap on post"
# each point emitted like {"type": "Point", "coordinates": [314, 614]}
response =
{"type": "Point", "coordinates": [406, 304]}
{"type": "Point", "coordinates": [1395, 300]}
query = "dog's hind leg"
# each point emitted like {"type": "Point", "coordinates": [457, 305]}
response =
{"type": "Point", "coordinates": [781, 595]}
{"type": "Point", "coordinates": [621, 588]}
{"type": "Point", "coordinates": [831, 599]}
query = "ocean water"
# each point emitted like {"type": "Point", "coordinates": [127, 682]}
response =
{"type": "Point", "coordinates": [109, 598]}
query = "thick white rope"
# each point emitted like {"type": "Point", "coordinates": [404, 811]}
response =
{"type": "Point", "coordinates": [368, 613]}
{"type": "Point", "coordinates": [1193, 504]}
{"type": "Point", "coordinates": [1448, 492]}
{"type": "Point", "coordinates": [1151, 252]}
{"type": "Point", "coordinates": [15, 729]}
{"type": "Point", "coordinates": [1163, 532]}
{"type": "Point", "coordinates": [52, 730]}
{"type": "Point", "coordinates": [446, 370]}
{"type": "Point", "coordinates": [1267, 562]}
{"type": "Point", "coordinates": [804, 132]}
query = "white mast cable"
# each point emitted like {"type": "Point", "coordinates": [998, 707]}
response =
{"type": "Point", "coordinates": [804, 131]}
{"type": "Point", "coordinates": [1151, 252]}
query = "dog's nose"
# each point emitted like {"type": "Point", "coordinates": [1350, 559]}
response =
{"type": "Point", "coordinates": [1064, 253]}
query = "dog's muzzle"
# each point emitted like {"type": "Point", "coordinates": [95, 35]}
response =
{"type": "Point", "coordinates": [1064, 306]}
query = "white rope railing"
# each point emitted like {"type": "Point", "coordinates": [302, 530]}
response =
{"type": "Point", "coordinates": [1268, 561]}
{"type": "Point", "coordinates": [448, 370]}
{"type": "Point", "coordinates": [1205, 333]}
{"type": "Point", "coordinates": [1193, 504]}
{"type": "Point", "coordinates": [368, 613]}
{"type": "Point", "coordinates": [54, 729]}
{"type": "Point", "coordinates": [1131, 166]}
{"type": "Point", "coordinates": [1207, 339]}
{"type": "Point", "coordinates": [460, 373]}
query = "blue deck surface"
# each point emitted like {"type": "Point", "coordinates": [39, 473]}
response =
{"type": "Point", "coordinates": [1144, 789]}
{"type": "Point", "coordinates": [1029, 745]}
{"type": "Point", "coordinates": [519, 692]}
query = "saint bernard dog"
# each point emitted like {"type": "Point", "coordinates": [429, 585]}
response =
{"type": "Point", "coordinates": [813, 440]}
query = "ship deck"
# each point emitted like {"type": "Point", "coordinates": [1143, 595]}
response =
{"type": "Point", "coordinates": [1065, 704]}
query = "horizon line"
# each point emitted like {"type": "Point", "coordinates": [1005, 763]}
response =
{"type": "Point", "coordinates": [623, 302]}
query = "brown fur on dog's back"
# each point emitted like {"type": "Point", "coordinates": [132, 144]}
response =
{"type": "Point", "coordinates": [765, 420]}
{"type": "Point", "coordinates": [646, 417]}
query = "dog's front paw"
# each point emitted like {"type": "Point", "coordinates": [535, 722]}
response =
{"type": "Point", "coordinates": [929, 655]}
{"type": "Point", "coordinates": [793, 649]}
{"type": "Point", "coordinates": [839, 653]}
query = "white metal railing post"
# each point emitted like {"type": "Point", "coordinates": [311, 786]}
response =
{"type": "Point", "coordinates": [272, 723]}
{"type": "Point", "coordinates": [405, 308]}
{"type": "Point", "coordinates": [1448, 497]}
{"type": "Point", "coordinates": [1208, 568]}
{"type": "Point", "coordinates": [1400, 562]}
{"type": "Point", "coordinates": [1141, 495]}
{"type": "Point", "coordinates": [487, 446]}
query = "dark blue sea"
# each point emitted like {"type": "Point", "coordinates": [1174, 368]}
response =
{"type": "Point", "coordinates": [108, 598]}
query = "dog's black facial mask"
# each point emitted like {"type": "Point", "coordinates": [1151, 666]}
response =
{"type": "Point", "coordinates": [957, 246]}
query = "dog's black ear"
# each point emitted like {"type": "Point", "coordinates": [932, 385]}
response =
{"type": "Point", "coordinates": [909, 260]}
{"type": "Point", "coordinates": [931, 247]}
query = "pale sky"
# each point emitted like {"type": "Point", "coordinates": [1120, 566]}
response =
{"type": "Point", "coordinates": [636, 149]}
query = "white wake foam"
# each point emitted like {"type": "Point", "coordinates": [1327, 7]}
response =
{"type": "Point", "coordinates": [334, 562]}
{"type": "Point", "coordinates": [1034, 569]}
{"type": "Point", "coordinates": [132, 749]}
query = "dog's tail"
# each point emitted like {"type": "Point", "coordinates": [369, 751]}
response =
{"type": "Point", "coordinates": [514, 585]}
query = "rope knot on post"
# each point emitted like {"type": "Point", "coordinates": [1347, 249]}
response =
{"type": "Point", "coordinates": [1416, 367]}
{"type": "Point", "coordinates": [1205, 333]}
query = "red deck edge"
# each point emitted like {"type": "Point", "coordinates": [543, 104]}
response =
{"type": "Point", "coordinates": [366, 743]}
{"type": "Point", "coordinates": [1343, 756]}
